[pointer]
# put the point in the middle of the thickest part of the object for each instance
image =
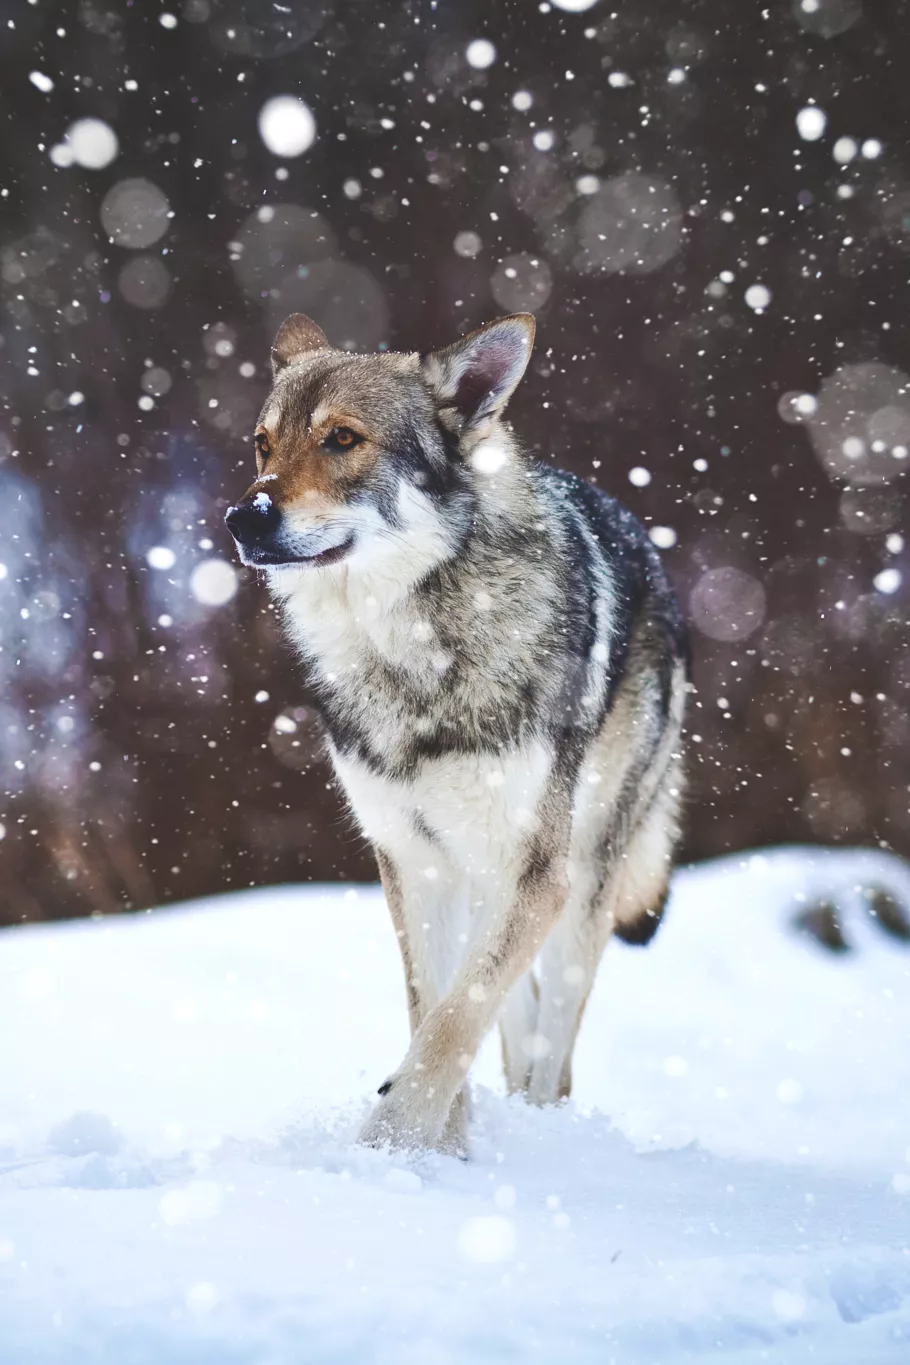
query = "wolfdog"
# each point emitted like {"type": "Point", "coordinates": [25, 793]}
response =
{"type": "Point", "coordinates": [502, 669]}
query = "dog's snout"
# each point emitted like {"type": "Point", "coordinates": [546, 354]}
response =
{"type": "Point", "coordinates": [253, 519]}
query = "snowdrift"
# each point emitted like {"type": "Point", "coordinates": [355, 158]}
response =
{"type": "Point", "coordinates": [179, 1093]}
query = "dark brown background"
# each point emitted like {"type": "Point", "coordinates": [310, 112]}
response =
{"type": "Point", "coordinates": [137, 765]}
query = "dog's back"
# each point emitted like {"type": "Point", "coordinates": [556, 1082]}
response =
{"type": "Point", "coordinates": [641, 589]}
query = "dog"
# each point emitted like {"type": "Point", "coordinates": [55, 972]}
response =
{"type": "Point", "coordinates": [502, 669]}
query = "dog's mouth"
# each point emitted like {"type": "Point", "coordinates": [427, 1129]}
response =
{"type": "Point", "coordinates": [260, 558]}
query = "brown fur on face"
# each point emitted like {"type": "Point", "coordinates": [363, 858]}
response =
{"type": "Point", "coordinates": [378, 397]}
{"type": "Point", "coordinates": [309, 476]}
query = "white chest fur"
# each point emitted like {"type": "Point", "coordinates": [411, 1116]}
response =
{"type": "Point", "coordinates": [471, 810]}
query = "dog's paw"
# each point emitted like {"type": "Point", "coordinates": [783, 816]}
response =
{"type": "Point", "coordinates": [394, 1123]}
{"type": "Point", "coordinates": [407, 1116]}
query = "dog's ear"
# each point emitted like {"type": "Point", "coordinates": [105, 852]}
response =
{"type": "Point", "coordinates": [297, 335]}
{"type": "Point", "coordinates": [477, 376]}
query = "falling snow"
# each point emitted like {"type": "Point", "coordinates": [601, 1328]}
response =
{"type": "Point", "coordinates": [286, 126]}
{"type": "Point", "coordinates": [811, 123]}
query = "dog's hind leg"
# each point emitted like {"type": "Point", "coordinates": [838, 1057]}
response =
{"type": "Point", "coordinates": [643, 881]}
{"type": "Point", "coordinates": [628, 902]}
{"type": "Point", "coordinates": [619, 870]}
{"type": "Point", "coordinates": [567, 966]}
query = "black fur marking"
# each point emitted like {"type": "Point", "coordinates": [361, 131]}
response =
{"type": "Point", "coordinates": [639, 578]}
{"type": "Point", "coordinates": [384, 1088]}
{"type": "Point", "coordinates": [380, 490]}
{"type": "Point", "coordinates": [432, 471]}
{"type": "Point", "coordinates": [538, 862]}
{"type": "Point", "coordinates": [424, 829]}
{"type": "Point", "coordinates": [579, 629]}
{"type": "Point", "coordinates": [640, 931]}
{"type": "Point", "coordinates": [347, 734]}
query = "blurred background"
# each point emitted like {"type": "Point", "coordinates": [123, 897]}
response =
{"type": "Point", "coordinates": [706, 205]}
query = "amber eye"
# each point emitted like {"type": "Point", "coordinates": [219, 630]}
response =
{"type": "Point", "coordinates": [341, 438]}
{"type": "Point", "coordinates": [263, 449]}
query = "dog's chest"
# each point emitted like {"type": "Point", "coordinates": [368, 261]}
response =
{"type": "Point", "coordinates": [403, 680]}
{"type": "Point", "coordinates": [475, 810]}
{"type": "Point", "coordinates": [350, 636]}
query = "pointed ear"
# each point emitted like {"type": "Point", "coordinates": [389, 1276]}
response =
{"type": "Point", "coordinates": [478, 375]}
{"type": "Point", "coordinates": [297, 335]}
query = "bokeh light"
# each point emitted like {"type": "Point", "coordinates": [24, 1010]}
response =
{"type": "Point", "coordinates": [861, 426]}
{"type": "Point", "coordinates": [727, 604]}
{"type": "Point", "coordinates": [135, 213]}
{"type": "Point", "coordinates": [145, 282]}
{"type": "Point", "coordinates": [633, 222]}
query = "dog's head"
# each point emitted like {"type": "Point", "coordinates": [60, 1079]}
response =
{"type": "Point", "coordinates": [356, 454]}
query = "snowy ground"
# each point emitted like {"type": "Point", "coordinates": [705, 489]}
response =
{"type": "Point", "coordinates": [178, 1184]}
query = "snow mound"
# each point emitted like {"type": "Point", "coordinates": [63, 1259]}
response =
{"type": "Point", "coordinates": [180, 1092]}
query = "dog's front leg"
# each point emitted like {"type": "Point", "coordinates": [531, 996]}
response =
{"type": "Point", "coordinates": [416, 1100]}
{"type": "Point", "coordinates": [431, 919]}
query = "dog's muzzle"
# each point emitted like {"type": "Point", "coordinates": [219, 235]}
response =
{"type": "Point", "coordinates": [253, 522]}
{"type": "Point", "coordinates": [265, 542]}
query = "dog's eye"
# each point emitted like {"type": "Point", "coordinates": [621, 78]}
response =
{"type": "Point", "coordinates": [341, 438]}
{"type": "Point", "coordinates": [263, 449]}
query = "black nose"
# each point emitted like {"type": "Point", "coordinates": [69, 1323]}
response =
{"type": "Point", "coordinates": [253, 520]}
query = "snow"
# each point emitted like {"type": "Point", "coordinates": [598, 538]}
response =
{"type": "Point", "coordinates": [489, 457]}
{"type": "Point", "coordinates": [811, 123]}
{"type": "Point", "coordinates": [93, 143]}
{"type": "Point", "coordinates": [160, 557]}
{"type": "Point", "coordinates": [664, 537]}
{"type": "Point", "coordinates": [758, 296]}
{"type": "Point", "coordinates": [480, 53]}
{"type": "Point", "coordinates": [214, 581]}
{"type": "Point", "coordinates": [179, 1180]}
{"type": "Point", "coordinates": [468, 244]}
{"type": "Point", "coordinates": [573, 6]}
{"type": "Point", "coordinates": [888, 580]}
{"type": "Point", "coordinates": [286, 126]}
